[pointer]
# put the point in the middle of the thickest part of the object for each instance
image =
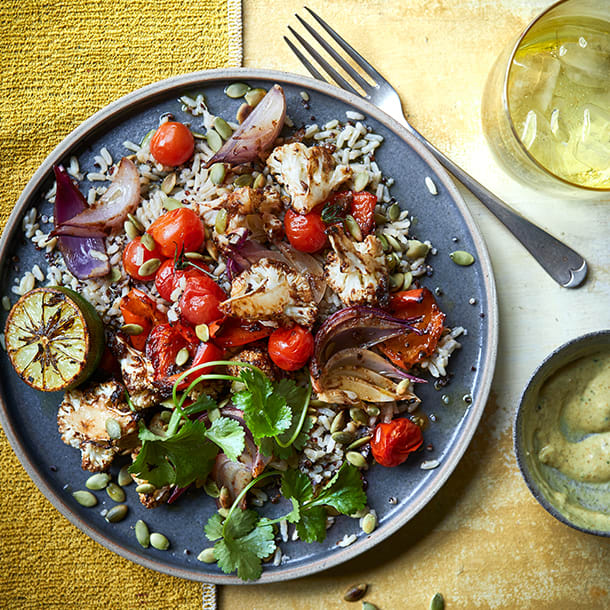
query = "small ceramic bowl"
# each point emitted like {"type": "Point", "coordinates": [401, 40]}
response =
{"type": "Point", "coordinates": [584, 506]}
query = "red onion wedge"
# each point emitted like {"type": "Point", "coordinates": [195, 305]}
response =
{"type": "Point", "coordinates": [308, 266]}
{"type": "Point", "coordinates": [110, 212]}
{"type": "Point", "coordinates": [77, 251]}
{"type": "Point", "coordinates": [257, 133]}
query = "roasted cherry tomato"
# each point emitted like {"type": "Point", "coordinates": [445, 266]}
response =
{"type": "Point", "coordinates": [200, 300]}
{"type": "Point", "coordinates": [393, 442]}
{"type": "Point", "coordinates": [163, 345]}
{"type": "Point", "coordinates": [206, 352]}
{"type": "Point", "coordinates": [291, 348]}
{"type": "Point", "coordinates": [409, 349]}
{"type": "Point", "coordinates": [135, 255]}
{"type": "Point", "coordinates": [305, 232]}
{"type": "Point", "coordinates": [233, 332]}
{"type": "Point", "coordinates": [168, 277]}
{"type": "Point", "coordinates": [138, 308]}
{"type": "Point", "coordinates": [363, 210]}
{"type": "Point", "coordinates": [172, 144]}
{"type": "Point", "coordinates": [177, 230]}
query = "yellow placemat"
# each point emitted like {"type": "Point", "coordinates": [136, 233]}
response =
{"type": "Point", "coordinates": [61, 62]}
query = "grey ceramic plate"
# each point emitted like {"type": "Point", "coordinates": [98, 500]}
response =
{"type": "Point", "coordinates": [28, 417]}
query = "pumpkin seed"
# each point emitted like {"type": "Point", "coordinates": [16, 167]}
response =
{"type": "Point", "coordinates": [116, 513]}
{"type": "Point", "coordinates": [124, 478]}
{"type": "Point", "coordinates": [369, 606]}
{"type": "Point", "coordinates": [213, 414]}
{"type": "Point", "coordinates": [343, 437]}
{"type": "Point", "coordinates": [416, 249]}
{"type": "Point", "coordinates": [356, 459]}
{"type": "Point", "coordinates": [361, 179]}
{"type": "Point", "coordinates": [159, 541]}
{"type": "Point", "coordinates": [147, 138]}
{"type": "Point", "coordinates": [223, 512]}
{"type": "Point", "coordinates": [359, 442]}
{"type": "Point", "coordinates": [182, 356]}
{"type": "Point", "coordinates": [130, 230]}
{"type": "Point", "coordinates": [407, 281]}
{"type": "Point", "coordinates": [139, 227]}
{"type": "Point", "coordinates": [115, 274]}
{"type": "Point", "coordinates": [315, 402]}
{"type": "Point", "coordinates": [145, 488]}
{"type": "Point", "coordinates": [211, 249]}
{"type": "Point", "coordinates": [207, 555]}
{"type": "Point", "coordinates": [260, 181]}
{"type": "Point", "coordinates": [369, 523]}
{"type": "Point", "coordinates": [394, 212]}
{"type": "Point", "coordinates": [372, 410]}
{"type": "Point", "coordinates": [132, 329]}
{"type": "Point", "coordinates": [462, 258]}
{"type": "Point", "coordinates": [358, 415]}
{"type": "Point", "coordinates": [223, 128]}
{"type": "Point", "coordinates": [211, 488]}
{"type": "Point", "coordinates": [396, 281]}
{"type": "Point", "coordinates": [148, 242]}
{"type": "Point", "coordinates": [113, 428]}
{"type": "Point", "coordinates": [203, 332]}
{"type": "Point", "coordinates": [338, 422]}
{"type": "Point", "coordinates": [172, 204]}
{"type": "Point", "coordinates": [243, 180]}
{"type": "Point", "coordinates": [224, 497]}
{"type": "Point", "coordinates": [195, 256]}
{"type": "Point", "coordinates": [221, 221]}
{"type": "Point", "coordinates": [142, 534]}
{"type": "Point", "coordinates": [6, 303]}
{"type": "Point", "coordinates": [98, 481]}
{"type": "Point", "coordinates": [149, 267]}
{"type": "Point", "coordinates": [236, 90]}
{"type": "Point", "coordinates": [393, 243]}
{"type": "Point", "coordinates": [214, 140]}
{"type": "Point", "coordinates": [304, 96]}
{"type": "Point", "coordinates": [437, 602]}
{"type": "Point", "coordinates": [392, 261]}
{"type": "Point", "coordinates": [353, 227]}
{"type": "Point", "coordinates": [115, 492]}
{"type": "Point", "coordinates": [254, 96]}
{"type": "Point", "coordinates": [168, 184]}
{"type": "Point", "coordinates": [165, 416]}
{"type": "Point", "coordinates": [218, 173]}
{"type": "Point", "coordinates": [355, 592]}
{"type": "Point", "coordinates": [85, 498]}
{"type": "Point", "coordinates": [380, 219]}
{"type": "Point", "coordinates": [403, 387]}
{"type": "Point", "coordinates": [243, 112]}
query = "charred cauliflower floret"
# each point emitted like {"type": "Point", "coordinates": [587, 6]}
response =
{"type": "Point", "coordinates": [258, 356]}
{"type": "Point", "coordinates": [271, 290]}
{"type": "Point", "coordinates": [82, 421]}
{"type": "Point", "coordinates": [308, 174]}
{"type": "Point", "coordinates": [356, 271]}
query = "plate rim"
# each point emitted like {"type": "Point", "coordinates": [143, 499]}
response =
{"type": "Point", "coordinates": [341, 555]}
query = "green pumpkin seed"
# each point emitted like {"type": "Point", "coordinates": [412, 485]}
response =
{"type": "Point", "coordinates": [338, 422]}
{"type": "Point", "coordinates": [138, 226]}
{"type": "Point", "coordinates": [159, 541]}
{"type": "Point", "coordinates": [361, 179]}
{"type": "Point", "coordinates": [437, 602]}
{"type": "Point", "coordinates": [207, 555]}
{"type": "Point", "coordinates": [343, 438]}
{"type": "Point", "coordinates": [393, 243]}
{"type": "Point", "coordinates": [182, 356]}
{"type": "Point", "coordinates": [359, 442]}
{"type": "Point", "coordinates": [124, 478]}
{"type": "Point", "coordinates": [358, 415]}
{"type": "Point", "coordinates": [165, 416]}
{"type": "Point", "coordinates": [148, 242]}
{"type": "Point", "coordinates": [168, 184]}
{"type": "Point", "coordinates": [384, 242]}
{"type": "Point", "coordinates": [130, 230]}
{"type": "Point", "coordinates": [260, 181]}
{"type": "Point", "coordinates": [214, 140]}
{"type": "Point", "coordinates": [211, 249]}
{"type": "Point", "coordinates": [147, 138]}
{"type": "Point", "coordinates": [98, 481]}
{"type": "Point", "coordinates": [369, 523]}
{"type": "Point", "coordinates": [203, 332]}
{"type": "Point", "coordinates": [132, 329]}
{"type": "Point", "coordinates": [145, 488]}
{"type": "Point", "coordinates": [304, 96]}
{"type": "Point", "coordinates": [115, 274]}
{"type": "Point", "coordinates": [369, 606]}
{"type": "Point", "coordinates": [392, 261]}
{"type": "Point", "coordinates": [416, 249]}
{"type": "Point", "coordinates": [85, 498]}
{"type": "Point", "coordinates": [142, 534]}
{"type": "Point", "coordinates": [315, 402]}
{"type": "Point", "coordinates": [403, 387]}
{"type": "Point", "coordinates": [355, 592]}
{"type": "Point", "coordinates": [115, 492]}
{"type": "Point", "coordinates": [356, 459]}
{"type": "Point", "coordinates": [243, 112]}
{"type": "Point", "coordinates": [380, 219]}
{"type": "Point", "coordinates": [172, 204]}
{"type": "Point", "coordinates": [394, 212]}
{"type": "Point", "coordinates": [254, 96]}
{"type": "Point", "coordinates": [113, 428]}
{"type": "Point", "coordinates": [218, 173]}
{"type": "Point", "coordinates": [462, 258]}
{"type": "Point", "coordinates": [372, 410]}
{"type": "Point", "coordinates": [353, 227]}
{"type": "Point", "coordinates": [223, 128]}
{"type": "Point", "coordinates": [116, 513]}
{"type": "Point", "coordinates": [211, 488]}
{"type": "Point", "coordinates": [149, 267]}
{"type": "Point", "coordinates": [407, 281]}
{"type": "Point", "coordinates": [243, 180]}
{"type": "Point", "coordinates": [213, 414]}
{"type": "Point", "coordinates": [222, 219]}
{"type": "Point", "coordinates": [236, 90]}
{"type": "Point", "coordinates": [396, 281]}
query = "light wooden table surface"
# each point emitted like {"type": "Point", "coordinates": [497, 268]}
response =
{"type": "Point", "coordinates": [483, 541]}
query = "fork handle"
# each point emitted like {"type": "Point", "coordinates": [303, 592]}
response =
{"type": "Point", "coordinates": [565, 266]}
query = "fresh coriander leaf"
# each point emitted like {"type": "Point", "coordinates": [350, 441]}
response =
{"type": "Point", "coordinates": [240, 523]}
{"type": "Point", "coordinates": [312, 526]}
{"type": "Point", "coordinates": [213, 528]}
{"type": "Point", "coordinates": [144, 434]}
{"type": "Point", "coordinates": [343, 492]}
{"type": "Point", "coordinates": [297, 485]}
{"type": "Point", "coordinates": [229, 435]}
{"type": "Point", "coordinates": [203, 403]}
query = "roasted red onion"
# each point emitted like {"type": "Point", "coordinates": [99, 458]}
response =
{"type": "Point", "coordinates": [308, 266]}
{"type": "Point", "coordinates": [69, 202]}
{"type": "Point", "coordinates": [257, 133]}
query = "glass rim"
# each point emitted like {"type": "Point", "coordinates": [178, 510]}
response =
{"type": "Point", "coordinates": [506, 105]}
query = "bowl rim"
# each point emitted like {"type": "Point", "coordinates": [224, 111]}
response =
{"type": "Point", "coordinates": [518, 447]}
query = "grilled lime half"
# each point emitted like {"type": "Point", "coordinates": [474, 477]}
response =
{"type": "Point", "coordinates": [54, 338]}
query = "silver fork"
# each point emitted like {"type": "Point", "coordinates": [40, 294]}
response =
{"type": "Point", "coordinates": [565, 266]}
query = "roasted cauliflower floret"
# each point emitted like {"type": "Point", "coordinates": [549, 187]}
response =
{"type": "Point", "coordinates": [356, 271]}
{"type": "Point", "coordinates": [258, 356]}
{"type": "Point", "coordinates": [308, 174]}
{"type": "Point", "coordinates": [271, 290]}
{"type": "Point", "coordinates": [82, 418]}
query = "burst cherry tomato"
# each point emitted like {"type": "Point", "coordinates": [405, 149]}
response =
{"type": "Point", "coordinates": [172, 144]}
{"type": "Point", "coordinates": [363, 210]}
{"type": "Point", "coordinates": [233, 332]}
{"type": "Point", "coordinates": [291, 348]}
{"type": "Point", "coordinates": [206, 352]}
{"type": "Point", "coordinates": [168, 277]}
{"type": "Point", "coordinates": [305, 232]}
{"type": "Point", "coordinates": [135, 255]}
{"type": "Point", "coordinates": [163, 345]}
{"type": "Point", "coordinates": [139, 308]}
{"type": "Point", "coordinates": [200, 299]}
{"type": "Point", "coordinates": [178, 229]}
{"type": "Point", "coordinates": [393, 442]}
